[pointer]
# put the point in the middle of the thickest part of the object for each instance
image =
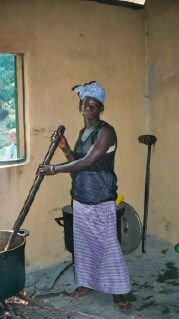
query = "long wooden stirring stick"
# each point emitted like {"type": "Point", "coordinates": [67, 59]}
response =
{"type": "Point", "coordinates": [38, 180]}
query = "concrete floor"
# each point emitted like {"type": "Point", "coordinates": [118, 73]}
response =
{"type": "Point", "coordinates": [155, 289]}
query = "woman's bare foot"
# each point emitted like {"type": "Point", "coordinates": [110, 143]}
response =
{"type": "Point", "coordinates": [80, 291]}
{"type": "Point", "coordinates": [123, 304]}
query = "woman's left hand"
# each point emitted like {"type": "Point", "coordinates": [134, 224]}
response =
{"type": "Point", "coordinates": [46, 170]}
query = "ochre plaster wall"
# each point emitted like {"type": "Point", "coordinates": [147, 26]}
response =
{"type": "Point", "coordinates": [67, 43]}
{"type": "Point", "coordinates": [163, 52]}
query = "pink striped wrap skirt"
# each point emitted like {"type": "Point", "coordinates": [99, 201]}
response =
{"type": "Point", "coordinates": [99, 261]}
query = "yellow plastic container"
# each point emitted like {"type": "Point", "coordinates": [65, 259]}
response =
{"type": "Point", "coordinates": [119, 199]}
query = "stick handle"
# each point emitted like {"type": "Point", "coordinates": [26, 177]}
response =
{"type": "Point", "coordinates": [146, 200]}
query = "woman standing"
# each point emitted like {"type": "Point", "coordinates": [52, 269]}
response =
{"type": "Point", "coordinates": [99, 262]}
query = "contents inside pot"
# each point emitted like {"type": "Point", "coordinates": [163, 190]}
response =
{"type": "Point", "coordinates": [2, 247]}
{"type": "Point", "coordinates": [4, 237]}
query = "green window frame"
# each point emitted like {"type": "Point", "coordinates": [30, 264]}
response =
{"type": "Point", "coordinates": [12, 109]}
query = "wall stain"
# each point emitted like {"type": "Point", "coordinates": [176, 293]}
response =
{"type": "Point", "coordinates": [41, 131]}
{"type": "Point", "coordinates": [38, 130]}
{"type": "Point", "coordinates": [167, 226]}
{"type": "Point", "coordinates": [20, 171]}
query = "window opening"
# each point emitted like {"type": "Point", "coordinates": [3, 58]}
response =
{"type": "Point", "coordinates": [12, 114]}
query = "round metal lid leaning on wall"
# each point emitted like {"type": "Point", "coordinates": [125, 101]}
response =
{"type": "Point", "coordinates": [130, 228]}
{"type": "Point", "coordinates": [142, 2]}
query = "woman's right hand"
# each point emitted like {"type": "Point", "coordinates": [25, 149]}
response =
{"type": "Point", "coordinates": [63, 144]}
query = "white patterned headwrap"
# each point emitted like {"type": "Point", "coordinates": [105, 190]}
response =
{"type": "Point", "coordinates": [93, 90]}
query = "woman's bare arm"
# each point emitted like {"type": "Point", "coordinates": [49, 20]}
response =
{"type": "Point", "coordinates": [105, 139]}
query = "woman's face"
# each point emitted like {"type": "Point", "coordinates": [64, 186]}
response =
{"type": "Point", "coordinates": [91, 108]}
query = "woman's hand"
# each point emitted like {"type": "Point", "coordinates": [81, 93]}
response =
{"type": "Point", "coordinates": [63, 144]}
{"type": "Point", "coordinates": [46, 170]}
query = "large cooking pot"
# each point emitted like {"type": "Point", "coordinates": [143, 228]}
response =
{"type": "Point", "coordinates": [12, 264]}
{"type": "Point", "coordinates": [129, 227]}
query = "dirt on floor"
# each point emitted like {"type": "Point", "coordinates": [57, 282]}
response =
{"type": "Point", "coordinates": [154, 295]}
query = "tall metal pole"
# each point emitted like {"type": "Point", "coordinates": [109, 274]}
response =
{"type": "Point", "coordinates": [148, 140]}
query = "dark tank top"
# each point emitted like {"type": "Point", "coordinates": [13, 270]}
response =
{"type": "Point", "coordinates": [96, 183]}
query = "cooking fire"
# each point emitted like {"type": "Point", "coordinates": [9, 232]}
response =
{"type": "Point", "coordinates": [9, 305]}
{"type": "Point", "coordinates": [17, 300]}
